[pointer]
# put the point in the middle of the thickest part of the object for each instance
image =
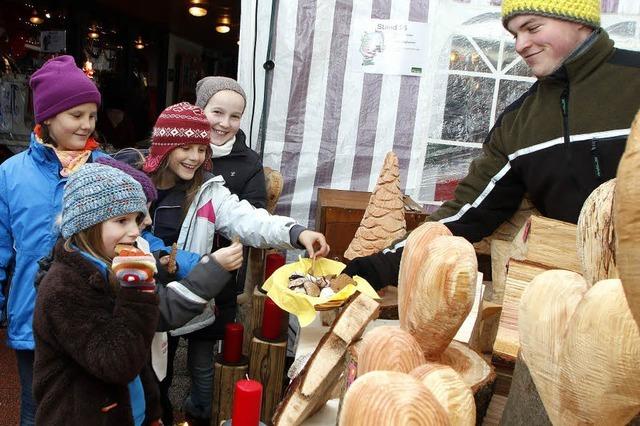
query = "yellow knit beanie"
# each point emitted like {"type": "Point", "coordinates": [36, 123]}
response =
{"type": "Point", "coordinates": [582, 11]}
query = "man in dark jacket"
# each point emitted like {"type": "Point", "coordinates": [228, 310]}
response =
{"type": "Point", "coordinates": [557, 143]}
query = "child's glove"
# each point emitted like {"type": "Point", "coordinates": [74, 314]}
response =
{"type": "Point", "coordinates": [134, 268]}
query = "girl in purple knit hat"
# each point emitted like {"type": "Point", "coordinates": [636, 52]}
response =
{"type": "Point", "coordinates": [65, 103]}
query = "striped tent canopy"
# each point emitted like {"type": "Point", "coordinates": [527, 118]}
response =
{"type": "Point", "coordinates": [324, 123]}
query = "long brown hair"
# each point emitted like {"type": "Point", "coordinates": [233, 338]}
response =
{"type": "Point", "coordinates": [191, 189]}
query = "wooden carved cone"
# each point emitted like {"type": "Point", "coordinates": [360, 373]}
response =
{"type": "Point", "coordinates": [450, 391]}
{"type": "Point", "coordinates": [389, 348]}
{"type": "Point", "coordinates": [382, 398]}
{"type": "Point", "coordinates": [582, 348]}
{"type": "Point", "coordinates": [440, 289]}
{"type": "Point", "coordinates": [274, 185]}
{"type": "Point", "coordinates": [626, 207]}
{"type": "Point", "coordinates": [383, 221]}
{"type": "Point", "coordinates": [596, 235]}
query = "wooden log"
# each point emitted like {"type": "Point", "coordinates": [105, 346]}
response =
{"type": "Point", "coordinates": [266, 365]}
{"type": "Point", "coordinates": [381, 398]}
{"type": "Point", "coordinates": [311, 388]}
{"type": "Point", "coordinates": [225, 377]}
{"type": "Point", "coordinates": [627, 219]}
{"type": "Point", "coordinates": [494, 412]}
{"type": "Point", "coordinates": [436, 288]}
{"type": "Point", "coordinates": [485, 328]}
{"type": "Point", "coordinates": [450, 390]}
{"type": "Point", "coordinates": [500, 254]}
{"type": "Point", "coordinates": [549, 242]}
{"type": "Point", "coordinates": [582, 347]}
{"type": "Point", "coordinates": [257, 309]}
{"type": "Point", "coordinates": [507, 343]}
{"type": "Point", "coordinates": [389, 348]}
{"type": "Point", "coordinates": [255, 268]}
{"type": "Point", "coordinates": [596, 235]}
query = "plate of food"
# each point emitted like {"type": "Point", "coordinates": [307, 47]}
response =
{"type": "Point", "coordinates": [307, 286]}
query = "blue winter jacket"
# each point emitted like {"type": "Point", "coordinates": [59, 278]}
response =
{"type": "Point", "coordinates": [30, 202]}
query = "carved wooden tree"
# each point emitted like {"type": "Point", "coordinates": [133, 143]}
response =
{"type": "Point", "coordinates": [389, 348]}
{"type": "Point", "coordinates": [382, 398]}
{"type": "Point", "coordinates": [596, 236]}
{"type": "Point", "coordinates": [436, 289]}
{"type": "Point", "coordinates": [627, 219]}
{"type": "Point", "coordinates": [383, 221]}
{"type": "Point", "coordinates": [450, 391]}
{"type": "Point", "coordinates": [582, 348]}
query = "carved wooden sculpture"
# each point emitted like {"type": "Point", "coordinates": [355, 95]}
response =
{"type": "Point", "coordinates": [582, 348]}
{"type": "Point", "coordinates": [436, 288]}
{"type": "Point", "coordinates": [596, 236]}
{"type": "Point", "coordinates": [450, 390]}
{"type": "Point", "coordinates": [627, 219]}
{"type": "Point", "coordinates": [383, 221]}
{"type": "Point", "coordinates": [274, 183]}
{"type": "Point", "coordinates": [389, 348]}
{"type": "Point", "coordinates": [382, 398]}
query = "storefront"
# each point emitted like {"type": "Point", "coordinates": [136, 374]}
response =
{"type": "Point", "coordinates": [142, 57]}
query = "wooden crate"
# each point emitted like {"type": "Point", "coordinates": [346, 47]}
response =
{"type": "Point", "coordinates": [338, 215]}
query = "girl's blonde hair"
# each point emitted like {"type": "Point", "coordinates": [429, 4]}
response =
{"type": "Point", "coordinates": [192, 188]}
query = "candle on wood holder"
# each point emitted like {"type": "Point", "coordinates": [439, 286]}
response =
{"type": "Point", "coordinates": [272, 262]}
{"type": "Point", "coordinates": [271, 320]}
{"type": "Point", "coordinates": [247, 402]}
{"type": "Point", "coordinates": [232, 343]}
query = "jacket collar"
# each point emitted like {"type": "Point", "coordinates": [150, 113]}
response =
{"type": "Point", "coordinates": [589, 56]}
{"type": "Point", "coordinates": [44, 156]}
{"type": "Point", "coordinates": [81, 265]}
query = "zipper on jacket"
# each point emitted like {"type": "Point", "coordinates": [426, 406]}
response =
{"type": "Point", "coordinates": [595, 156]}
{"type": "Point", "coordinates": [564, 104]}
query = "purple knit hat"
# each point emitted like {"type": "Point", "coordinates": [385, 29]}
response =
{"type": "Point", "coordinates": [147, 185]}
{"type": "Point", "coordinates": [59, 85]}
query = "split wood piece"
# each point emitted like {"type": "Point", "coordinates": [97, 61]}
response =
{"type": "Point", "coordinates": [477, 373]}
{"type": "Point", "coordinates": [500, 255]}
{"type": "Point", "coordinates": [274, 184]}
{"type": "Point", "coordinates": [383, 221]}
{"type": "Point", "coordinates": [224, 382]}
{"type": "Point", "coordinates": [436, 289]}
{"type": "Point", "coordinates": [582, 347]}
{"type": "Point", "coordinates": [381, 398]}
{"type": "Point", "coordinates": [310, 390]}
{"type": "Point", "coordinates": [389, 348]}
{"type": "Point", "coordinates": [507, 343]}
{"type": "Point", "coordinates": [494, 412]}
{"type": "Point", "coordinates": [389, 303]}
{"type": "Point", "coordinates": [509, 228]}
{"type": "Point", "coordinates": [548, 242]}
{"type": "Point", "coordinates": [450, 391]}
{"type": "Point", "coordinates": [267, 365]}
{"type": "Point", "coordinates": [596, 235]}
{"type": "Point", "coordinates": [485, 328]}
{"type": "Point", "coordinates": [627, 219]}
{"type": "Point", "coordinates": [350, 370]}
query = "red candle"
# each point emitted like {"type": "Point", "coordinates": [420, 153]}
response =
{"type": "Point", "coordinates": [247, 401]}
{"type": "Point", "coordinates": [272, 262]}
{"type": "Point", "coordinates": [271, 319]}
{"type": "Point", "coordinates": [232, 343]}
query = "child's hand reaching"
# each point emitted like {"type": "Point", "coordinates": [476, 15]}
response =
{"type": "Point", "coordinates": [230, 258]}
{"type": "Point", "coordinates": [312, 240]}
{"type": "Point", "coordinates": [134, 268]}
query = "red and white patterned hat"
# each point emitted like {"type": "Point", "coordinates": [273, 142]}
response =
{"type": "Point", "coordinates": [178, 125]}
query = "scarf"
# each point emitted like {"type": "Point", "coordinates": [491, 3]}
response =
{"type": "Point", "coordinates": [218, 151]}
{"type": "Point", "coordinates": [71, 160]}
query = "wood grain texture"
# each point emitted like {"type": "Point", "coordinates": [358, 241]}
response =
{"type": "Point", "coordinates": [224, 382]}
{"type": "Point", "coordinates": [582, 348]}
{"type": "Point", "coordinates": [596, 236]}
{"type": "Point", "coordinates": [382, 398]}
{"type": "Point", "coordinates": [437, 285]}
{"type": "Point", "coordinates": [266, 365]}
{"type": "Point", "coordinates": [389, 348]}
{"type": "Point", "coordinates": [450, 390]}
{"type": "Point", "coordinates": [627, 219]}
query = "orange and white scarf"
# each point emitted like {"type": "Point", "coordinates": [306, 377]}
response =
{"type": "Point", "coordinates": [71, 160]}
